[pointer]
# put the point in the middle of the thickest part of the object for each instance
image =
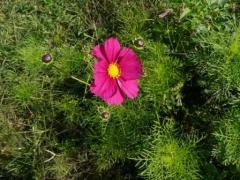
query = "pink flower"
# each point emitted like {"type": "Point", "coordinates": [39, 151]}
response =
{"type": "Point", "coordinates": [116, 72]}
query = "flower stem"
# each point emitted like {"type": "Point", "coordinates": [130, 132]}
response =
{"type": "Point", "coordinates": [79, 80]}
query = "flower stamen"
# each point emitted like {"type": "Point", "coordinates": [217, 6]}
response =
{"type": "Point", "coordinates": [114, 70]}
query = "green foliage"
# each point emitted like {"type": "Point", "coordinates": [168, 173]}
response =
{"type": "Point", "coordinates": [217, 58]}
{"type": "Point", "coordinates": [132, 19]}
{"type": "Point", "coordinates": [163, 79]}
{"type": "Point", "coordinates": [170, 157]}
{"type": "Point", "coordinates": [222, 67]}
{"type": "Point", "coordinates": [227, 136]}
{"type": "Point", "coordinates": [122, 134]}
{"type": "Point", "coordinates": [61, 167]}
{"type": "Point", "coordinates": [26, 91]}
{"type": "Point", "coordinates": [69, 61]}
{"type": "Point", "coordinates": [31, 55]}
{"type": "Point", "coordinates": [69, 107]}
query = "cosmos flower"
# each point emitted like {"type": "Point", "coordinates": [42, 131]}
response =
{"type": "Point", "coordinates": [116, 72]}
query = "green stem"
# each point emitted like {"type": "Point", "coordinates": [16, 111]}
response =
{"type": "Point", "coordinates": [79, 80]}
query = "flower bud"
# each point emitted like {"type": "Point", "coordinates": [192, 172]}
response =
{"type": "Point", "coordinates": [138, 42]}
{"type": "Point", "coordinates": [105, 115]}
{"type": "Point", "coordinates": [46, 58]}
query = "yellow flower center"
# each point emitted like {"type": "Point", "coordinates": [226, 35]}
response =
{"type": "Point", "coordinates": [114, 70]}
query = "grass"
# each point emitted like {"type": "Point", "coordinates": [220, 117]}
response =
{"type": "Point", "coordinates": [182, 125]}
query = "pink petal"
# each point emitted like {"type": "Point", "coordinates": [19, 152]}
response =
{"type": "Point", "coordinates": [112, 48]}
{"type": "Point", "coordinates": [116, 99]}
{"type": "Point", "coordinates": [104, 87]}
{"type": "Point", "coordinates": [100, 66]}
{"type": "Point", "coordinates": [100, 78]}
{"type": "Point", "coordinates": [131, 67]}
{"type": "Point", "coordinates": [99, 52]}
{"type": "Point", "coordinates": [100, 72]}
{"type": "Point", "coordinates": [93, 88]}
{"type": "Point", "coordinates": [130, 87]}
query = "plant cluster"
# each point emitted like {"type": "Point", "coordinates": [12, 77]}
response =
{"type": "Point", "coordinates": [185, 122]}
